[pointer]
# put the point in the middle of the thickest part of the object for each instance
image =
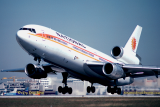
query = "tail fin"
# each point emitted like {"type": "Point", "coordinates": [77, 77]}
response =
{"type": "Point", "coordinates": [133, 41]}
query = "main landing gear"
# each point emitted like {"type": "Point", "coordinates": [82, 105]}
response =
{"type": "Point", "coordinates": [114, 90]}
{"type": "Point", "coordinates": [65, 89]}
{"type": "Point", "coordinates": [91, 89]}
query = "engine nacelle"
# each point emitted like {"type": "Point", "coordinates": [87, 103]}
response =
{"type": "Point", "coordinates": [125, 56]}
{"type": "Point", "coordinates": [35, 72]}
{"type": "Point", "coordinates": [126, 81]}
{"type": "Point", "coordinates": [113, 71]}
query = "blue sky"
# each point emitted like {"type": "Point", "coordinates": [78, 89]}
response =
{"type": "Point", "coordinates": [101, 24]}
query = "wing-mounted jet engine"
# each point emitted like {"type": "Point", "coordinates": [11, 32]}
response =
{"type": "Point", "coordinates": [113, 71]}
{"type": "Point", "coordinates": [34, 71]}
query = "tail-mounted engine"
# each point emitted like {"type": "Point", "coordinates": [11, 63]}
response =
{"type": "Point", "coordinates": [35, 72]}
{"type": "Point", "coordinates": [113, 71]}
{"type": "Point", "coordinates": [125, 56]}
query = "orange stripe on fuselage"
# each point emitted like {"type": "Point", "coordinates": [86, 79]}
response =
{"type": "Point", "coordinates": [44, 36]}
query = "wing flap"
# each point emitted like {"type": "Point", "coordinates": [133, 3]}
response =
{"type": "Point", "coordinates": [141, 71]}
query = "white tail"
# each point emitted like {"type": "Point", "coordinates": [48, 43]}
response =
{"type": "Point", "coordinates": [133, 41]}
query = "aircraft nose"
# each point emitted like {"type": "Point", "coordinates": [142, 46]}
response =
{"type": "Point", "coordinates": [20, 36]}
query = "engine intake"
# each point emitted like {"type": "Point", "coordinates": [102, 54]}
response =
{"type": "Point", "coordinates": [117, 52]}
{"type": "Point", "coordinates": [35, 72]}
{"type": "Point", "coordinates": [113, 71]}
{"type": "Point", "coordinates": [125, 55]}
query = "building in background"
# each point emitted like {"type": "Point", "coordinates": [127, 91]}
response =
{"type": "Point", "coordinates": [50, 85]}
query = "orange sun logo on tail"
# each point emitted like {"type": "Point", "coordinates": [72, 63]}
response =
{"type": "Point", "coordinates": [133, 43]}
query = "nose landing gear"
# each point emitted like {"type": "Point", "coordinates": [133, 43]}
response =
{"type": "Point", "coordinates": [37, 59]}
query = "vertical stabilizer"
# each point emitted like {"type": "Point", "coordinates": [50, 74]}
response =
{"type": "Point", "coordinates": [133, 41]}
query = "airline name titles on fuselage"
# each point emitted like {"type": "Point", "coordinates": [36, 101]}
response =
{"type": "Point", "coordinates": [70, 40]}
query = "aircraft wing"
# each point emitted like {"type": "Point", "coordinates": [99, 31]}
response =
{"type": "Point", "coordinates": [131, 70]}
{"type": "Point", "coordinates": [14, 70]}
{"type": "Point", "coordinates": [48, 67]}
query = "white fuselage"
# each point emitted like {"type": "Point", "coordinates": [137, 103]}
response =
{"type": "Point", "coordinates": [56, 48]}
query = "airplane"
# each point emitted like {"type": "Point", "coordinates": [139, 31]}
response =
{"type": "Point", "coordinates": [74, 59]}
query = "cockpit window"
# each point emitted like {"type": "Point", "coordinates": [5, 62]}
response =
{"type": "Point", "coordinates": [33, 30]}
{"type": "Point", "coordinates": [30, 29]}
